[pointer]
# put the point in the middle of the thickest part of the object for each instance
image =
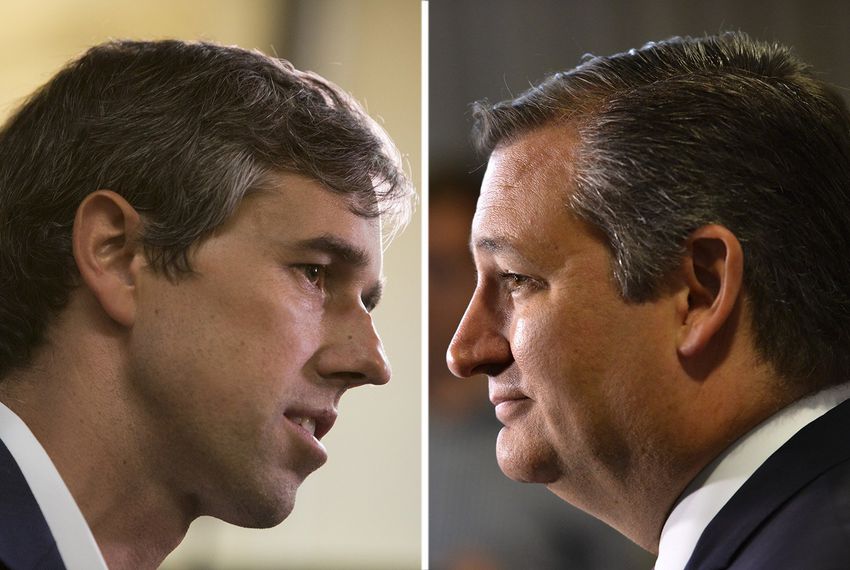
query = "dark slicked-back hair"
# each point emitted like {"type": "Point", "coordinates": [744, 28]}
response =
{"type": "Point", "coordinates": [183, 131]}
{"type": "Point", "coordinates": [695, 131]}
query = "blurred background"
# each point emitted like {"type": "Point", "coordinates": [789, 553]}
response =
{"type": "Point", "coordinates": [496, 49]}
{"type": "Point", "coordinates": [362, 509]}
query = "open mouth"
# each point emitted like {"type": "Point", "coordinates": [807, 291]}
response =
{"type": "Point", "coordinates": [317, 425]}
{"type": "Point", "coordinates": [307, 424]}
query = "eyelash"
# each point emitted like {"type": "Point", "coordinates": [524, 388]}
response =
{"type": "Point", "coordinates": [515, 282]}
{"type": "Point", "coordinates": [316, 280]}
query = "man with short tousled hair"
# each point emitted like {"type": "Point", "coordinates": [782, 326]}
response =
{"type": "Point", "coordinates": [190, 251]}
{"type": "Point", "coordinates": [663, 302]}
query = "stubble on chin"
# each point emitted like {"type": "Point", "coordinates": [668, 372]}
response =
{"type": "Point", "coordinates": [263, 506]}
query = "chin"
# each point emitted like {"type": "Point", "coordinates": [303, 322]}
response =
{"type": "Point", "coordinates": [263, 506]}
{"type": "Point", "coordinates": [526, 461]}
{"type": "Point", "coordinates": [266, 515]}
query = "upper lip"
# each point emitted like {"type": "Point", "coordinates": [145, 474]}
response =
{"type": "Point", "coordinates": [324, 418]}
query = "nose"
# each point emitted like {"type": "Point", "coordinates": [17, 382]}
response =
{"type": "Point", "coordinates": [479, 345]}
{"type": "Point", "coordinates": [354, 353]}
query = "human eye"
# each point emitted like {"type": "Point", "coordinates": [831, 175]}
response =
{"type": "Point", "coordinates": [516, 283]}
{"type": "Point", "coordinates": [313, 273]}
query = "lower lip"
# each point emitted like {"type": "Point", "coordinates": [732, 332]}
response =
{"type": "Point", "coordinates": [511, 409]}
{"type": "Point", "coordinates": [315, 447]}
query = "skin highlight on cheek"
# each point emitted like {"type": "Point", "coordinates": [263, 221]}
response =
{"type": "Point", "coordinates": [524, 451]}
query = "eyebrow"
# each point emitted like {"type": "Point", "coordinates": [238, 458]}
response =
{"type": "Point", "coordinates": [350, 255]}
{"type": "Point", "coordinates": [336, 247]}
{"type": "Point", "coordinates": [501, 245]}
{"type": "Point", "coordinates": [492, 245]}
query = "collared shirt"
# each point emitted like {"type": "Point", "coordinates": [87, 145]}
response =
{"type": "Point", "coordinates": [722, 478]}
{"type": "Point", "coordinates": [74, 539]}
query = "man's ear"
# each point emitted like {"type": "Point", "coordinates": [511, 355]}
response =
{"type": "Point", "coordinates": [713, 270]}
{"type": "Point", "coordinates": [107, 252]}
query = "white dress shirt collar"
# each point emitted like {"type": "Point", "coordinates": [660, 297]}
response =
{"type": "Point", "coordinates": [722, 478]}
{"type": "Point", "coordinates": [73, 537]}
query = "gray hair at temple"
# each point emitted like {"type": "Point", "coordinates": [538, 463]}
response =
{"type": "Point", "coordinates": [183, 131]}
{"type": "Point", "coordinates": [722, 129]}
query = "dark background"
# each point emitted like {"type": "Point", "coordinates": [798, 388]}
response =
{"type": "Point", "coordinates": [493, 49]}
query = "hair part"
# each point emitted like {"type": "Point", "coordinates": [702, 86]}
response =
{"type": "Point", "coordinates": [183, 131]}
{"type": "Point", "coordinates": [713, 130]}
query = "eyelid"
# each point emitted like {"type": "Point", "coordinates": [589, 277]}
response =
{"type": "Point", "coordinates": [515, 283]}
{"type": "Point", "coordinates": [319, 281]}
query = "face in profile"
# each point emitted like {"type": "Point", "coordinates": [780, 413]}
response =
{"type": "Point", "coordinates": [570, 364]}
{"type": "Point", "coordinates": [242, 365]}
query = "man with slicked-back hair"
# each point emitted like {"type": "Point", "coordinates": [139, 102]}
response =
{"type": "Point", "coordinates": [191, 242]}
{"type": "Point", "coordinates": [663, 299]}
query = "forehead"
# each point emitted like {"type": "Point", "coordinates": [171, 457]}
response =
{"type": "Point", "coordinates": [293, 219]}
{"type": "Point", "coordinates": [525, 191]}
{"type": "Point", "coordinates": [291, 208]}
{"type": "Point", "coordinates": [535, 167]}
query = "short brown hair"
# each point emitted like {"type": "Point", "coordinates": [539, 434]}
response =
{"type": "Point", "coordinates": [183, 131]}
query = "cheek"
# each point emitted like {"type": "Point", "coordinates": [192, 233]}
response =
{"type": "Point", "coordinates": [240, 347]}
{"type": "Point", "coordinates": [275, 335]}
{"type": "Point", "coordinates": [551, 352]}
{"type": "Point", "coordinates": [569, 363]}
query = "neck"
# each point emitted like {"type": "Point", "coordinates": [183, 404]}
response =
{"type": "Point", "coordinates": [638, 499]}
{"type": "Point", "coordinates": [77, 406]}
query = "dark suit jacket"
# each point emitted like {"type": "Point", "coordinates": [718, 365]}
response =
{"type": "Point", "coordinates": [794, 512]}
{"type": "Point", "coordinates": [25, 539]}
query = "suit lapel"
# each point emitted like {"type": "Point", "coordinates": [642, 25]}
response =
{"type": "Point", "coordinates": [25, 539]}
{"type": "Point", "coordinates": [813, 450]}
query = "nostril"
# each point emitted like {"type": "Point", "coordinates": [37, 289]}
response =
{"type": "Point", "coordinates": [487, 353]}
{"type": "Point", "coordinates": [356, 378]}
{"type": "Point", "coordinates": [375, 373]}
{"type": "Point", "coordinates": [349, 379]}
{"type": "Point", "coordinates": [489, 369]}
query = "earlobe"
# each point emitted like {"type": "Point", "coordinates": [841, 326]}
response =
{"type": "Point", "coordinates": [107, 252]}
{"type": "Point", "coordinates": [713, 268]}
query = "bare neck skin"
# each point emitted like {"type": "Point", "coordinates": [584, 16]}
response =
{"type": "Point", "coordinates": [711, 400]}
{"type": "Point", "coordinates": [717, 424]}
{"type": "Point", "coordinates": [76, 400]}
{"type": "Point", "coordinates": [711, 387]}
